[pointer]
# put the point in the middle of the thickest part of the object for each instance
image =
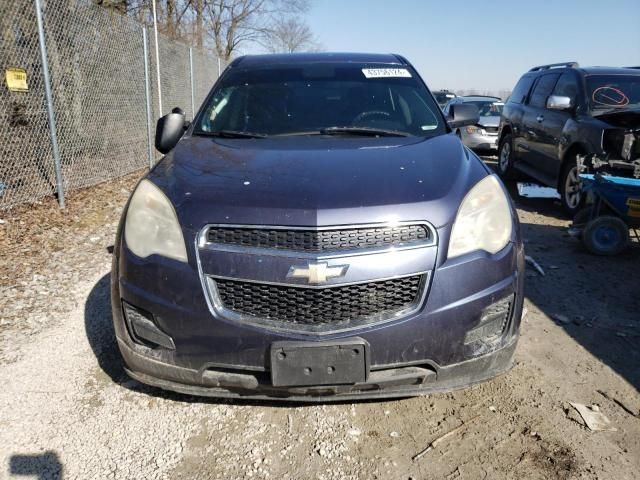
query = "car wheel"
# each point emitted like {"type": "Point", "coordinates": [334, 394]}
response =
{"type": "Point", "coordinates": [570, 188]}
{"type": "Point", "coordinates": [606, 235]}
{"type": "Point", "coordinates": [505, 157]}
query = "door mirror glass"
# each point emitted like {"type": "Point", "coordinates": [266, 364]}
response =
{"type": "Point", "coordinates": [169, 130]}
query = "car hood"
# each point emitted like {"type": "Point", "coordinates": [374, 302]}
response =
{"type": "Point", "coordinates": [309, 181]}
{"type": "Point", "coordinates": [489, 121]}
{"type": "Point", "coordinates": [626, 118]}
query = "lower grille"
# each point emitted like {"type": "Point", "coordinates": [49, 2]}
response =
{"type": "Point", "coordinates": [491, 129]}
{"type": "Point", "coordinates": [330, 308]}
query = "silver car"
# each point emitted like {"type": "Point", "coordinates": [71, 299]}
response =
{"type": "Point", "coordinates": [483, 135]}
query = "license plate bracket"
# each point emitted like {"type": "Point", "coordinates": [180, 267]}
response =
{"type": "Point", "coordinates": [341, 362]}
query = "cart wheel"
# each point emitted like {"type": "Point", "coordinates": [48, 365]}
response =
{"type": "Point", "coordinates": [606, 235]}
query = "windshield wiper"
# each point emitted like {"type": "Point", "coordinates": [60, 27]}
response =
{"type": "Point", "coordinates": [365, 131]}
{"type": "Point", "coordinates": [232, 134]}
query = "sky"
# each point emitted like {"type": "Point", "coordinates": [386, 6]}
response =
{"type": "Point", "coordinates": [486, 45]}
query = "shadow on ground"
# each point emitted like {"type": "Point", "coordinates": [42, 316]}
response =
{"type": "Point", "coordinates": [99, 330]}
{"type": "Point", "coordinates": [45, 466]}
{"type": "Point", "coordinates": [594, 299]}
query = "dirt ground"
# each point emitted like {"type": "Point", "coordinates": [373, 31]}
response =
{"type": "Point", "coordinates": [67, 410]}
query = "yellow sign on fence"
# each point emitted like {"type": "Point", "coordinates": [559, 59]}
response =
{"type": "Point", "coordinates": [16, 79]}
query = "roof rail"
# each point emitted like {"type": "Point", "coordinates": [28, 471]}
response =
{"type": "Point", "coordinates": [636, 67]}
{"type": "Point", "coordinates": [555, 65]}
{"type": "Point", "coordinates": [481, 96]}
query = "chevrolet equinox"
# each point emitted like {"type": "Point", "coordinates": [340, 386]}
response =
{"type": "Point", "coordinates": [317, 232]}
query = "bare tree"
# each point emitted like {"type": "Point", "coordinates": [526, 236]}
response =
{"type": "Point", "coordinates": [232, 23]}
{"type": "Point", "coordinates": [289, 35]}
{"type": "Point", "coordinates": [225, 26]}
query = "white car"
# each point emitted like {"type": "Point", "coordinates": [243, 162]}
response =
{"type": "Point", "coordinates": [483, 135]}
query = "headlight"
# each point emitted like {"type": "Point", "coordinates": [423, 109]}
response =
{"type": "Point", "coordinates": [472, 129]}
{"type": "Point", "coordinates": [152, 225]}
{"type": "Point", "coordinates": [483, 221]}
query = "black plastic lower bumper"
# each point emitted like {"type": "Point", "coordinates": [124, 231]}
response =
{"type": "Point", "coordinates": [401, 381]}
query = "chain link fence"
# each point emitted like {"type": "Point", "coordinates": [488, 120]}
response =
{"type": "Point", "coordinates": [96, 64]}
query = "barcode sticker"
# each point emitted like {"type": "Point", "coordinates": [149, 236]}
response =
{"type": "Point", "coordinates": [386, 72]}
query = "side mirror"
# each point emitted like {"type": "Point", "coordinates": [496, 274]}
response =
{"type": "Point", "coordinates": [559, 102]}
{"type": "Point", "coordinates": [169, 130]}
{"type": "Point", "coordinates": [462, 114]}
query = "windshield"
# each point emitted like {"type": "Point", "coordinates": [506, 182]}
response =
{"type": "Point", "coordinates": [487, 108]}
{"type": "Point", "coordinates": [613, 91]}
{"type": "Point", "coordinates": [310, 98]}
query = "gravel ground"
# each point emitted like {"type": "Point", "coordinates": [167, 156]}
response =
{"type": "Point", "coordinates": [67, 410]}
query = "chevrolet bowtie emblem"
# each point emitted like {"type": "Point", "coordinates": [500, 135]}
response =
{"type": "Point", "coordinates": [317, 272]}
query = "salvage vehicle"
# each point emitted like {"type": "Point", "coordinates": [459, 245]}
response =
{"type": "Point", "coordinates": [560, 112]}
{"type": "Point", "coordinates": [317, 233]}
{"type": "Point", "coordinates": [483, 135]}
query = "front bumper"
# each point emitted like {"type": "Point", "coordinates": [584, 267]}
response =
{"type": "Point", "coordinates": [421, 353]}
{"type": "Point", "coordinates": [480, 141]}
{"type": "Point", "coordinates": [386, 383]}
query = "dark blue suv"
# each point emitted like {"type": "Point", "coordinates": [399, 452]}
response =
{"type": "Point", "coordinates": [561, 114]}
{"type": "Point", "coordinates": [317, 233]}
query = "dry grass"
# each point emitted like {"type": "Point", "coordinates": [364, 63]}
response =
{"type": "Point", "coordinates": [29, 234]}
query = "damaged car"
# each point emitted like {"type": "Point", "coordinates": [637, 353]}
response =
{"type": "Point", "coordinates": [317, 233]}
{"type": "Point", "coordinates": [561, 114]}
{"type": "Point", "coordinates": [484, 135]}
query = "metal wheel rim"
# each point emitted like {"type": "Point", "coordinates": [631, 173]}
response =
{"type": "Point", "coordinates": [505, 153]}
{"type": "Point", "coordinates": [607, 238]}
{"type": "Point", "coordinates": [572, 185]}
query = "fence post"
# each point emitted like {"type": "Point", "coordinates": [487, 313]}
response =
{"type": "Point", "coordinates": [155, 32]}
{"type": "Point", "coordinates": [193, 100]}
{"type": "Point", "coordinates": [50, 112]}
{"type": "Point", "coordinates": [147, 95]}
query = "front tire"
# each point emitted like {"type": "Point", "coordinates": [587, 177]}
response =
{"type": "Point", "coordinates": [505, 157]}
{"type": "Point", "coordinates": [570, 188]}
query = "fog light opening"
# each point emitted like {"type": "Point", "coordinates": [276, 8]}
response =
{"type": "Point", "coordinates": [143, 330]}
{"type": "Point", "coordinates": [493, 322]}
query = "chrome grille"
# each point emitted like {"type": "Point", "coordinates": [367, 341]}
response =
{"type": "Point", "coordinates": [310, 240]}
{"type": "Point", "coordinates": [317, 309]}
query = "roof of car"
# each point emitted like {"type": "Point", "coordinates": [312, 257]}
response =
{"type": "Point", "coordinates": [293, 58]}
{"type": "Point", "coordinates": [609, 70]}
{"type": "Point", "coordinates": [587, 70]}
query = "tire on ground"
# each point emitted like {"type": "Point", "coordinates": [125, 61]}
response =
{"type": "Point", "coordinates": [571, 168]}
{"type": "Point", "coordinates": [606, 235]}
{"type": "Point", "coordinates": [505, 165]}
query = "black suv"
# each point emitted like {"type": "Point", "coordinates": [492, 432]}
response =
{"type": "Point", "coordinates": [560, 112]}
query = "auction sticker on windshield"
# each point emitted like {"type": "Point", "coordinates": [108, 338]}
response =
{"type": "Point", "coordinates": [386, 72]}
